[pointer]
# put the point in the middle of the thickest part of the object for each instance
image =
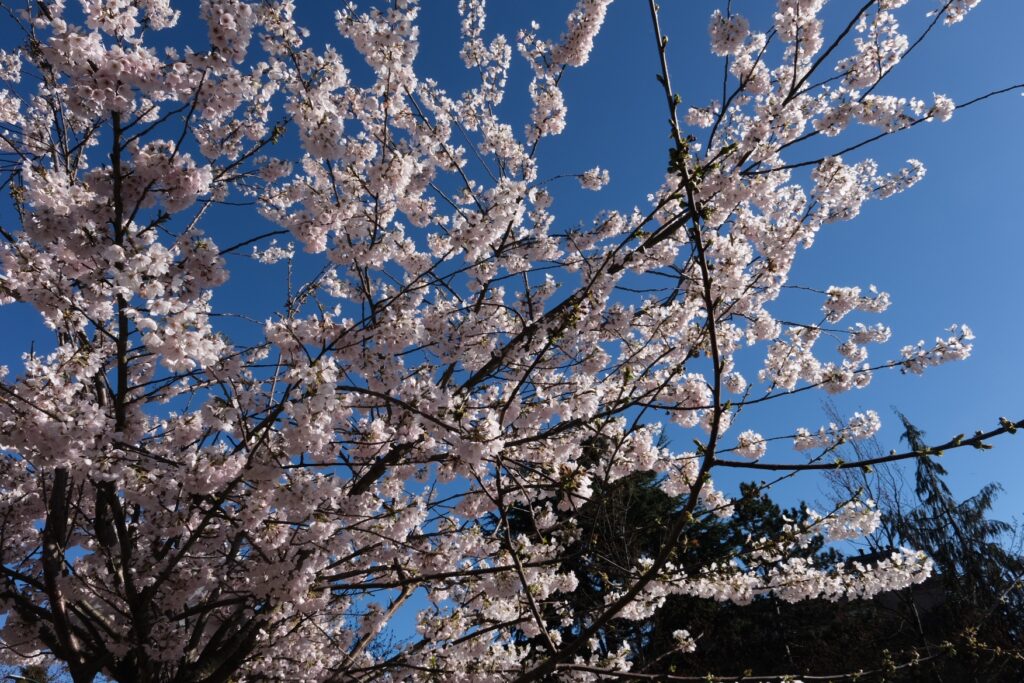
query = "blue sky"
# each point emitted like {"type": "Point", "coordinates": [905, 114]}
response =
{"type": "Point", "coordinates": [948, 250]}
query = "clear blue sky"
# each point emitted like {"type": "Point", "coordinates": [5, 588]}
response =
{"type": "Point", "coordinates": [948, 250]}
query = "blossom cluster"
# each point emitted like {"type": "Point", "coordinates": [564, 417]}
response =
{"type": "Point", "coordinates": [197, 478]}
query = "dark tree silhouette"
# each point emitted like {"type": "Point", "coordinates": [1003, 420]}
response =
{"type": "Point", "coordinates": [963, 624]}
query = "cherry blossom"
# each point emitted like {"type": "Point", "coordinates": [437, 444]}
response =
{"type": "Point", "coordinates": [199, 484]}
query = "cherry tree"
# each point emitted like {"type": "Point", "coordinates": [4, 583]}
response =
{"type": "Point", "coordinates": [324, 494]}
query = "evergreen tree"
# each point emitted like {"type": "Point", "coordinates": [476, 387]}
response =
{"type": "Point", "coordinates": [980, 575]}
